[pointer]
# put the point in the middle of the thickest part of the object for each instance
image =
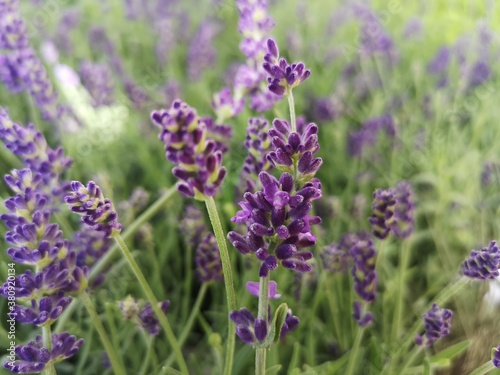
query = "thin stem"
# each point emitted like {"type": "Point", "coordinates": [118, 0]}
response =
{"type": "Point", "coordinates": [398, 314]}
{"type": "Point", "coordinates": [260, 354]}
{"type": "Point", "coordinates": [101, 263]}
{"type": "Point", "coordinates": [189, 323]}
{"type": "Point", "coordinates": [116, 363]}
{"type": "Point", "coordinates": [410, 359]}
{"type": "Point", "coordinates": [154, 303]}
{"type": "Point", "coordinates": [47, 343]}
{"type": "Point", "coordinates": [291, 104]}
{"type": "Point", "coordinates": [149, 344]}
{"type": "Point", "coordinates": [228, 280]}
{"type": "Point", "coordinates": [484, 368]}
{"type": "Point", "coordinates": [353, 356]}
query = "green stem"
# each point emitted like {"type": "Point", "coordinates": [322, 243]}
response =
{"type": "Point", "coordinates": [353, 356]}
{"type": "Point", "coordinates": [149, 344]}
{"type": "Point", "coordinates": [484, 368]}
{"type": "Point", "coordinates": [154, 303]}
{"type": "Point", "coordinates": [101, 263]}
{"type": "Point", "coordinates": [228, 280]}
{"type": "Point", "coordinates": [47, 343]}
{"type": "Point", "coordinates": [260, 354]}
{"type": "Point", "coordinates": [410, 359]}
{"type": "Point", "coordinates": [398, 314]}
{"type": "Point", "coordinates": [291, 104]}
{"type": "Point", "coordinates": [116, 363]}
{"type": "Point", "coordinates": [189, 323]}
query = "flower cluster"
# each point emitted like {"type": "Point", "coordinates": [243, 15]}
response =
{"type": "Point", "coordinates": [255, 25]}
{"type": "Point", "coordinates": [437, 324]}
{"type": "Point", "coordinates": [198, 162]}
{"type": "Point", "coordinates": [32, 148]}
{"type": "Point", "coordinates": [96, 211]}
{"type": "Point", "coordinates": [142, 313]}
{"type": "Point", "coordinates": [33, 357]}
{"type": "Point", "coordinates": [367, 136]}
{"type": "Point", "coordinates": [283, 77]}
{"type": "Point", "coordinates": [404, 211]}
{"type": "Point", "coordinates": [336, 257]}
{"type": "Point", "coordinates": [257, 142]}
{"type": "Point", "coordinates": [496, 357]}
{"type": "Point", "coordinates": [207, 260]}
{"type": "Point", "coordinates": [280, 215]}
{"type": "Point", "coordinates": [365, 277]}
{"type": "Point", "coordinates": [293, 152]}
{"type": "Point", "coordinates": [483, 264]}
{"type": "Point", "coordinates": [382, 218]}
{"type": "Point", "coordinates": [98, 81]}
{"type": "Point", "coordinates": [252, 330]}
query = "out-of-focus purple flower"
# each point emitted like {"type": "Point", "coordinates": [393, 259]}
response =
{"type": "Point", "coordinates": [295, 150]}
{"type": "Point", "coordinates": [382, 218]}
{"type": "Point", "coordinates": [142, 314]}
{"type": "Point", "coordinates": [257, 142]}
{"type": "Point", "coordinates": [404, 211]}
{"type": "Point", "coordinates": [12, 29]}
{"type": "Point", "coordinates": [278, 211]}
{"type": "Point", "coordinates": [363, 272]}
{"type": "Point", "coordinates": [98, 81]}
{"type": "Point", "coordinates": [479, 73]}
{"type": "Point", "coordinates": [198, 162]}
{"type": "Point", "coordinates": [254, 287]}
{"type": "Point", "coordinates": [225, 105]}
{"type": "Point", "coordinates": [193, 226]}
{"type": "Point", "coordinates": [33, 357]}
{"type": "Point", "coordinates": [283, 77]}
{"type": "Point", "coordinates": [437, 324]}
{"type": "Point", "coordinates": [362, 318]}
{"type": "Point", "coordinates": [496, 357]}
{"type": "Point", "coordinates": [252, 330]}
{"type": "Point", "coordinates": [336, 257]}
{"type": "Point", "coordinates": [201, 52]}
{"type": "Point", "coordinates": [490, 173]}
{"type": "Point", "coordinates": [483, 264]}
{"type": "Point", "coordinates": [10, 74]}
{"type": "Point", "coordinates": [207, 260]}
{"type": "Point", "coordinates": [69, 20]}
{"type": "Point", "coordinates": [413, 28]}
{"type": "Point", "coordinates": [359, 141]}
{"type": "Point", "coordinates": [324, 109]}
{"type": "Point", "coordinates": [439, 64]}
{"type": "Point", "coordinates": [96, 211]}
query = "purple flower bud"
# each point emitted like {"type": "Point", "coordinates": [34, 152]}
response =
{"type": "Point", "coordinates": [483, 264]}
{"type": "Point", "coordinates": [382, 217]}
{"type": "Point", "coordinates": [363, 272]}
{"type": "Point", "coordinates": [437, 324]}
{"type": "Point", "coordinates": [254, 286]}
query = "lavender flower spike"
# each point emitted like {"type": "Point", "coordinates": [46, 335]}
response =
{"type": "Point", "coordinates": [197, 159]}
{"type": "Point", "coordinates": [483, 264]}
{"type": "Point", "coordinates": [404, 211]}
{"type": "Point", "coordinates": [207, 259]}
{"type": "Point", "coordinates": [382, 217]}
{"type": "Point", "coordinates": [97, 211]}
{"type": "Point", "coordinates": [283, 76]}
{"type": "Point", "coordinates": [437, 323]}
{"type": "Point", "coordinates": [363, 271]}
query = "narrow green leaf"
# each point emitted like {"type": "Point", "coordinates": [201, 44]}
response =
{"type": "Point", "coordinates": [273, 370]}
{"type": "Point", "coordinates": [450, 352]}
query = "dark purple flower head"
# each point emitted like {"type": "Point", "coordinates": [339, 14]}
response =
{"type": "Point", "coordinates": [363, 271]}
{"type": "Point", "coordinates": [96, 211]}
{"type": "Point", "coordinates": [207, 259]}
{"type": "Point", "coordinates": [360, 316]}
{"type": "Point", "coordinates": [293, 151]}
{"type": "Point", "coordinates": [382, 218]}
{"type": "Point", "coordinates": [437, 324]}
{"type": "Point", "coordinates": [496, 356]}
{"type": "Point", "coordinates": [278, 212]}
{"type": "Point", "coordinates": [483, 264]}
{"type": "Point", "coordinates": [197, 159]}
{"type": "Point", "coordinates": [404, 211]}
{"type": "Point", "coordinates": [283, 77]}
{"type": "Point", "coordinates": [33, 357]}
{"type": "Point", "coordinates": [98, 81]}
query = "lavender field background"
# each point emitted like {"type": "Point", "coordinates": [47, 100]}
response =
{"type": "Point", "coordinates": [392, 204]}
